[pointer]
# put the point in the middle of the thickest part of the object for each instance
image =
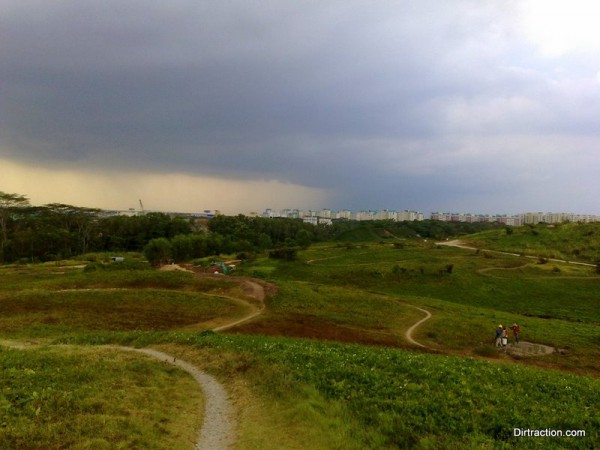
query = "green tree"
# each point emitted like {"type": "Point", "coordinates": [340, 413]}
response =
{"type": "Point", "coordinates": [304, 238]}
{"type": "Point", "coordinates": [9, 204]}
{"type": "Point", "coordinates": [158, 251]}
{"type": "Point", "coordinates": [181, 247]}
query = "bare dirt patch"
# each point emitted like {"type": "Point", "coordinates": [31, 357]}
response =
{"type": "Point", "coordinates": [524, 348]}
{"type": "Point", "coordinates": [313, 327]}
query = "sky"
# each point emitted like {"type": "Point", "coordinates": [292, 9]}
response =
{"type": "Point", "coordinates": [473, 106]}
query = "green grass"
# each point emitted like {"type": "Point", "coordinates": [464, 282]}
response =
{"type": "Point", "coordinates": [560, 309]}
{"type": "Point", "coordinates": [393, 398]}
{"type": "Point", "coordinates": [302, 393]}
{"type": "Point", "coordinates": [569, 241]}
{"type": "Point", "coordinates": [88, 398]}
{"type": "Point", "coordinates": [475, 279]}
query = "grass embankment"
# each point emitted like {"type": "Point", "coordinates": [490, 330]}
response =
{"type": "Point", "coordinates": [568, 241]}
{"type": "Point", "coordinates": [91, 398]}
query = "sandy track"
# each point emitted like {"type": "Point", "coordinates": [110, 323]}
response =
{"type": "Point", "coordinates": [257, 292]}
{"type": "Point", "coordinates": [410, 331]}
{"type": "Point", "coordinates": [218, 428]}
{"type": "Point", "coordinates": [218, 431]}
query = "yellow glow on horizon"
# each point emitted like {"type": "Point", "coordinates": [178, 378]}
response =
{"type": "Point", "coordinates": [158, 192]}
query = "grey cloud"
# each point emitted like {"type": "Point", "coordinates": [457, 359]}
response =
{"type": "Point", "coordinates": [380, 101]}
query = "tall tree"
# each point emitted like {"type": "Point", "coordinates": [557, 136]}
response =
{"type": "Point", "coordinates": [9, 205]}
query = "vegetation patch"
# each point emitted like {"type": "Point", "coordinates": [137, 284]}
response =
{"type": "Point", "coordinates": [94, 398]}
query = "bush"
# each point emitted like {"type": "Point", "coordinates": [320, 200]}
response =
{"type": "Point", "coordinates": [287, 253]}
{"type": "Point", "coordinates": [93, 267]}
{"type": "Point", "coordinates": [158, 251]}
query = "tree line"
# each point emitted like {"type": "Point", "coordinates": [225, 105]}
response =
{"type": "Point", "coordinates": [58, 231]}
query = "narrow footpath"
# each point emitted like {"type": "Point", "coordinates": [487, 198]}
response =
{"type": "Point", "coordinates": [409, 332]}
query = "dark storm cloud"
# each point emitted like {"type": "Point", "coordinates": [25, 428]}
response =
{"type": "Point", "coordinates": [380, 100]}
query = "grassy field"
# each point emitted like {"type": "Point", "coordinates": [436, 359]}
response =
{"type": "Point", "coordinates": [559, 308]}
{"type": "Point", "coordinates": [327, 365]}
{"type": "Point", "coordinates": [569, 241]}
{"type": "Point", "coordinates": [90, 398]}
{"type": "Point", "coordinates": [321, 395]}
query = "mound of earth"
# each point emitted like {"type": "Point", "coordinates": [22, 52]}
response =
{"type": "Point", "coordinates": [524, 348]}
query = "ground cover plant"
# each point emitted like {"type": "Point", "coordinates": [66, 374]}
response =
{"type": "Point", "coordinates": [44, 303]}
{"type": "Point", "coordinates": [473, 280]}
{"type": "Point", "coordinates": [388, 398]}
{"type": "Point", "coordinates": [302, 393]}
{"type": "Point", "coordinates": [556, 308]}
{"type": "Point", "coordinates": [339, 313]}
{"type": "Point", "coordinates": [569, 241]}
{"type": "Point", "coordinates": [67, 397]}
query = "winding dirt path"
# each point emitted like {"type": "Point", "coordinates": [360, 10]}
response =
{"type": "Point", "coordinates": [410, 331]}
{"type": "Point", "coordinates": [218, 431]}
{"type": "Point", "coordinates": [258, 293]}
{"type": "Point", "coordinates": [219, 425]}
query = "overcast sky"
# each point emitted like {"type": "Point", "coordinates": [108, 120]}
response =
{"type": "Point", "coordinates": [452, 105]}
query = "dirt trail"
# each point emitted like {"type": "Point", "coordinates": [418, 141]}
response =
{"type": "Point", "coordinates": [254, 290]}
{"type": "Point", "coordinates": [460, 244]}
{"type": "Point", "coordinates": [219, 425]}
{"type": "Point", "coordinates": [218, 431]}
{"type": "Point", "coordinates": [257, 292]}
{"type": "Point", "coordinates": [410, 331]}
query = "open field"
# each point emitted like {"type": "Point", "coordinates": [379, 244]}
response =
{"type": "Point", "coordinates": [368, 388]}
{"type": "Point", "coordinates": [559, 308]}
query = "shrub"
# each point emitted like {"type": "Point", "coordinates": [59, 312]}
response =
{"type": "Point", "coordinates": [286, 253]}
{"type": "Point", "coordinates": [93, 267]}
{"type": "Point", "coordinates": [158, 251]}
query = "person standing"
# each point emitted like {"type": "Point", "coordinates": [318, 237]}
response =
{"type": "Point", "coordinates": [504, 336]}
{"type": "Point", "coordinates": [516, 332]}
{"type": "Point", "coordinates": [499, 336]}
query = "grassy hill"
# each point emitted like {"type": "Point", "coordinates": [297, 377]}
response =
{"type": "Point", "coordinates": [328, 364]}
{"type": "Point", "coordinates": [569, 241]}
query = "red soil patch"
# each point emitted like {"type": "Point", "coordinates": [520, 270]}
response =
{"type": "Point", "coordinates": [313, 327]}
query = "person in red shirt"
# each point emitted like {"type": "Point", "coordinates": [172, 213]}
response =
{"type": "Point", "coordinates": [516, 331]}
